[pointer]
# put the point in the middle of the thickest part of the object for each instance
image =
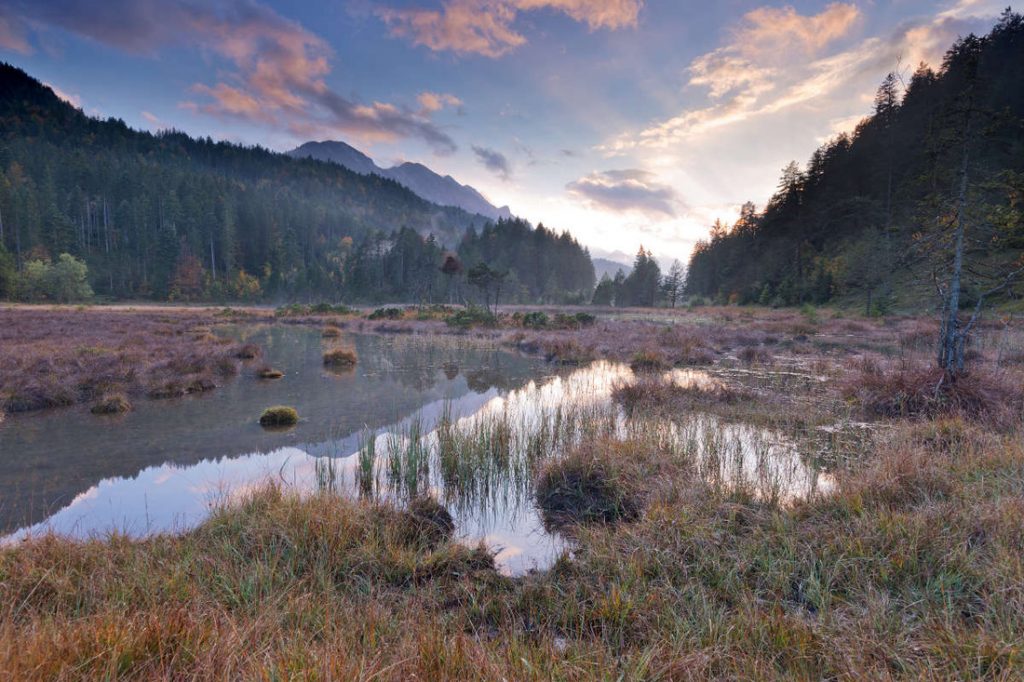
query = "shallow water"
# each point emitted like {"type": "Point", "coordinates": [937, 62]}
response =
{"type": "Point", "coordinates": [471, 426]}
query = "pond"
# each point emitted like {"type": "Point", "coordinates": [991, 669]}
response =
{"type": "Point", "coordinates": [416, 415]}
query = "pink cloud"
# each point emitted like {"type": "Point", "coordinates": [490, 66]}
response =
{"type": "Point", "coordinates": [278, 67]}
{"type": "Point", "coordinates": [484, 27]}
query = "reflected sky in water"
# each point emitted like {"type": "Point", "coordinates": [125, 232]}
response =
{"type": "Point", "coordinates": [164, 466]}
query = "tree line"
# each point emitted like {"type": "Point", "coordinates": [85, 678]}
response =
{"type": "Point", "coordinates": [167, 216]}
{"type": "Point", "coordinates": [874, 214]}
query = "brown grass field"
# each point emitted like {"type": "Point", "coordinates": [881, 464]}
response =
{"type": "Point", "coordinates": [910, 567]}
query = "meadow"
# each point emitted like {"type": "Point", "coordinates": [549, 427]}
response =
{"type": "Point", "coordinates": [906, 562]}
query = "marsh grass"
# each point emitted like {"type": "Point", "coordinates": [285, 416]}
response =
{"type": "Point", "coordinates": [903, 562]}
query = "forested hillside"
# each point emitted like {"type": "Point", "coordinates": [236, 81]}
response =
{"type": "Point", "coordinates": [169, 216]}
{"type": "Point", "coordinates": [869, 219]}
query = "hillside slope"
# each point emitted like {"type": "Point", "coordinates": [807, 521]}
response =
{"type": "Point", "coordinates": [138, 206]}
{"type": "Point", "coordinates": [868, 220]}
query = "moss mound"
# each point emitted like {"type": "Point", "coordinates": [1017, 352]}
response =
{"type": "Point", "coordinates": [279, 415]}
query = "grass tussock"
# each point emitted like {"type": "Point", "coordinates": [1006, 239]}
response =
{"type": "Point", "coordinates": [112, 404]}
{"type": "Point", "coordinates": [331, 332]}
{"type": "Point", "coordinates": [278, 416]}
{"type": "Point", "coordinates": [340, 358]}
{"type": "Point", "coordinates": [908, 389]}
{"type": "Point", "coordinates": [588, 485]}
{"type": "Point", "coordinates": [648, 361]}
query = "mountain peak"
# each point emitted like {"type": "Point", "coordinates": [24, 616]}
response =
{"type": "Point", "coordinates": [443, 190]}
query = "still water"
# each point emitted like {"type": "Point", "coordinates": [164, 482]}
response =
{"type": "Point", "coordinates": [415, 415]}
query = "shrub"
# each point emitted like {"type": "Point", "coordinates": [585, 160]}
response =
{"type": "Point", "coordinates": [112, 404]}
{"type": "Point", "coordinates": [279, 415]}
{"type": "Point", "coordinates": [583, 487]}
{"type": "Point", "coordinates": [386, 314]}
{"type": "Point", "coordinates": [470, 317]}
{"type": "Point", "coordinates": [340, 357]}
{"type": "Point", "coordinates": [536, 320]}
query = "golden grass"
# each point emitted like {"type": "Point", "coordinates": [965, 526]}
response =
{"type": "Point", "coordinates": [340, 357]}
{"type": "Point", "coordinates": [911, 568]}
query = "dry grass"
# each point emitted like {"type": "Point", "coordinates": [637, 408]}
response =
{"type": "Point", "coordinates": [50, 358]}
{"type": "Point", "coordinates": [917, 389]}
{"type": "Point", "coordinates": [340, 357]}
{"type": "Point", "coordinates": [910, 569]}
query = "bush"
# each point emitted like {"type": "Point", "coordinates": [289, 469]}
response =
{"type": "Point", "coordinates": [470, 317]}
{"type": "Point", "coordinates": [585, 487]}
{"type": "Point", "coordinates": [65, 281]}
{"type": "Point", "coordinates": [536, 320]}
{"type": "Point", "coordinates": [386, 314]}
{"type": "Point", "coordinates": [279, 415]}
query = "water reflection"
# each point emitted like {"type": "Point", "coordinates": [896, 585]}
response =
{"type": "Point", "coordinates": [471, 427]}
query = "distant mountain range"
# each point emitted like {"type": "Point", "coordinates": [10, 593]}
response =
{"type": "Point", "coordinates": [438, 189]}
{"type": "Point", "coordinates": [604, 266]}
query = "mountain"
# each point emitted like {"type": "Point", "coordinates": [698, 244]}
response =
{"type": "Point", "coordinates": [441, 190]}
{"type": "Point", "coordinates": [870, 220]}
{"type": "Point", "coordinates": [167, 215]}
{"type": "Point", "coordinates": [604, 266]}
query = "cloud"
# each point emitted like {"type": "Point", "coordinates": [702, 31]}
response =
{"type": "Point", "coordinates": [277, 67]}
{"type": "Point", "coordinates": [431, 102]}
{"type": "Point", "coordinates": [494, 161]}
{"type": "Point", "coordinates": [484, 27]}
{"type": "Point", "coordinates": [772, 30]}
{"type": "Point", "coordinates": [626, 190]}
{"type": "Point", "coordinates": [764, 69]}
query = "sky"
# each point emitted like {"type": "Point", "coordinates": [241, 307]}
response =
{"type": "Point", "coordinates": [626, 122]}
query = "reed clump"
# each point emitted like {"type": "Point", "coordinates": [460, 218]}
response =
{"type": "Point", "coordinates": [331, 332]}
